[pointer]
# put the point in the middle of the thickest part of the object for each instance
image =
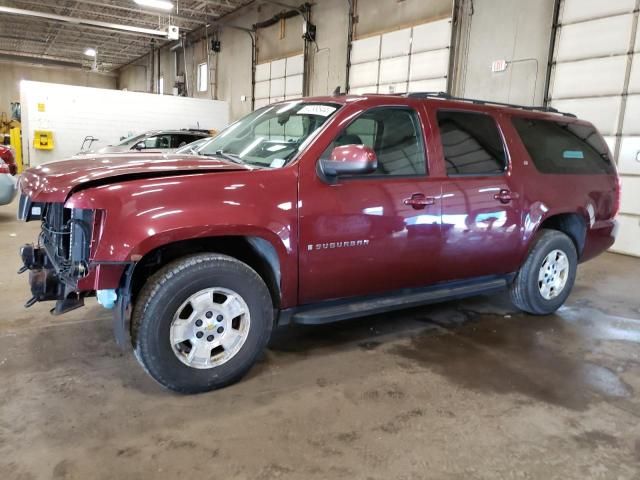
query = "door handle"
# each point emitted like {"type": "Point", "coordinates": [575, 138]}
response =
{"type": "Point", "coordinates": [419, 201]}
{"type": "Point", "coordinates": [505, 196]}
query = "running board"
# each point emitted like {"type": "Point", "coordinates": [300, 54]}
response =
{"type": "Point", "coordinates": [344, 309]}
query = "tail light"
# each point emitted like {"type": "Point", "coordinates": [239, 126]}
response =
{"type": "Point", "coordinates": [618, 195]}
{"type": "Point", "coordinates": [7, 157]}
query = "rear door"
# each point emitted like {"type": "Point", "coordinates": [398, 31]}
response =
{"type": "Point", "coordinates": [481, 198]}
{"type": "Point", "coordinates": [374, 233]}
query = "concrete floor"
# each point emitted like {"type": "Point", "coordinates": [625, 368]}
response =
{"type": "Point", "coordinates": [461, 390]}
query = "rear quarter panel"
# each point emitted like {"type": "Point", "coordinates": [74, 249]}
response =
{"type": "Point", "coordinates": [593, 197]}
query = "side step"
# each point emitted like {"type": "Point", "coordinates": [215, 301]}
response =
{"type": "Point", "coordinates": [343, 309]}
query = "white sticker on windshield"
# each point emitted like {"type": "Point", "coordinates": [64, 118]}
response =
{"type": "Point", "coordinates": [322, 110]}
{"type": "Point", "coordinates": [277, 163]}
{"type": "Point", "coordinates": [276, 148]}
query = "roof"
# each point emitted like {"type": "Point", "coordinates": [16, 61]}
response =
{"type": "Point", "coordinates": [442, 97]}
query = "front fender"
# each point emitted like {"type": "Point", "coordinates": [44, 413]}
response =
{"type": "Point", "coordinates": [141, 215]}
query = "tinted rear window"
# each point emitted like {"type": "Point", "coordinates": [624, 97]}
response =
{"type": "Point", "coordinates": [471, 143]}
{"type": "Point", "coordinates": [568, 148]}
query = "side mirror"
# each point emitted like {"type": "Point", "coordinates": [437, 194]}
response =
{"type": "Point", "coordinates": [139, 146]}
{"type": "Point", "coordinates": [349, 160]}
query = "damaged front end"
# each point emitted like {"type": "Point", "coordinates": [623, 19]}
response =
{"type": "Point", "coordinates": [60, 259]}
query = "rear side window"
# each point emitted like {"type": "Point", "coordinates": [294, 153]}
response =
{"type": "Point", "coordinates": [568, 148]}
{"type": "Point", "coordinates": [471, 143]}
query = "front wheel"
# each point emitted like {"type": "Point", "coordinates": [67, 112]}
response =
{"type": "Point", "coordinates": [545, 280]}
{"type": "Point", "coordinates": [201, 322]}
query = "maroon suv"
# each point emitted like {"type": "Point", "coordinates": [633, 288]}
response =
{"type": "Point", "coordinates": [318, 210]}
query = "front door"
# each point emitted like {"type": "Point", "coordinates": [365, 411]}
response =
{"type": "Point", "coordinates": [374, 233]}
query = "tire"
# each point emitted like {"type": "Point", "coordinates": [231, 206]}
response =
{"type": "Point", "coordinates": [526, 291]}
{"type": "Point", "coordinates": [165, 310]}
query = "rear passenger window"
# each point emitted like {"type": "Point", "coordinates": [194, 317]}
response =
{"type": "Point", "coordinates": [394, 134]}
{"type": "Point", "coordinates": [471, 143]}
{"type": "Point", "coordinates": [569, 148]}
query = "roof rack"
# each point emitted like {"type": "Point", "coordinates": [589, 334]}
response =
{"type": "Point", "coordinates": [446, 96]}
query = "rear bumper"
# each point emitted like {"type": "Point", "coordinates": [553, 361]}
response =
{"type": "Point", "coordinates": [600, 237]}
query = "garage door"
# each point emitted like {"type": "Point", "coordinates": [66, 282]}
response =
{"type": "Point", "coordinates": [596, 77]}
{"type": "Point", "coordinates": [279, 80]}
{"type": "Point", "coordinates": [413, 59]}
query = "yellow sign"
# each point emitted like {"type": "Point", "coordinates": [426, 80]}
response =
{"type": "Point", "coordinates": [43, 140]}
{"type": "Point", "coordinates": [41, 107]}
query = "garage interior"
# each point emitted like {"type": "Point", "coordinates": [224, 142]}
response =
{"type": "Point", "coordinates": [463, 389]}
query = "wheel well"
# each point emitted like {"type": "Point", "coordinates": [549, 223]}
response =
{"type": "Point", "coordinates": [572, 225]}
{"type": "Point", "coordinates": [256, 252]}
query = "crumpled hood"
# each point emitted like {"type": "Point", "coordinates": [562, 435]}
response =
{"type": "Point", "coordinates": [53, 181]}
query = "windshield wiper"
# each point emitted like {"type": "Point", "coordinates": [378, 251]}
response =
{"type": "Point", "coordinates": [227, 156]}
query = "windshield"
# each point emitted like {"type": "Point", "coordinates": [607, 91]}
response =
{"type": "Point", "coordinates": [131, 140]}
{"type": "Point", "coordinates": [271, 136]}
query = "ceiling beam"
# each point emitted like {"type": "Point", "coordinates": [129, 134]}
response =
{"type": "Point", "coordinates": [84, 21]}
{"type": "Point", "coordinates": [120, 8]}
{"type": "Point", "coordinates": [7, 55]}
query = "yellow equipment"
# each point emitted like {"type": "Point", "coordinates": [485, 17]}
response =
{"type": "Point", "coordinates": [16, 142]}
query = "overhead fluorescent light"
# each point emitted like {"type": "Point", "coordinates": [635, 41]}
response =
{"type": "Point", "coordinates": [159, 4]}
{"type": "Point", "coordinates": [90, 52]}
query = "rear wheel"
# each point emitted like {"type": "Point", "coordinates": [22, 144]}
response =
{"type": "Point", "coordinates": [545, 280]}
{"type": "Point", "coordinates": [201, 322]}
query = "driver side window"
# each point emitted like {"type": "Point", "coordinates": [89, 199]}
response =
{"type": "Point", "coordinates": [394, 134]}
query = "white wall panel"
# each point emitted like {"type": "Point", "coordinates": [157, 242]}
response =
{"type": "Point", "coordinates": [594, 77]}
{"type": "Point", "coordinates": [629, 159]}
{"type": "Point", "coordinates": [295, 65]}
{"type": "Point", "coordinates": [630, 199]}
{"type": "Point", "coordinates": [395, 44]}
{"type": "Point", "coordinates": [606, 36]}
{"type": "Point", "coordinates": [263, 71]}
{"type": "Point", "coordinates": [364, 89]}
{"type": "Point", "coordinates": [391, 88]}
{"type": "Point", "coordinates": [279, 80]}
{"type": "Point", "coordinates": [402, 59]}
{"type": "Point", "coordinates": [277, 88]}
{"type": "Point", "coordinates": [433, 85]}
{"type": "Point", "coordinates": [278, 68]}
{"type": "Point", "coordinates": [603, 112]}
{"type": "Point", "coordinates": [261, 102]}
{"type": "Point", "coordinates": [262, 89]}
{"type": "Point", "coordinates": [611, 142]}
{"type": "Point", "coordinates": [431, 36]}
{"type": "Point", "coordinates": [631, 125]}
{"type": "Point", "coordinates": [628, 235]}
{"type": "Point", "coordinates": [428, 65]}
{"type": "Point", "coordinates": [293, 86]}
{"type": "Point", "coordinates": [73, 113]}
{"type": "Point", "coordinates": [363, 74]}
{"type": "Point", "coordinates": [394, 70]}
{"type": "Point", "coordinates": [365, 50]}
{"type": "Point", "coordinates": [634, 79]}
{"type": "Point", "coordinates": [580, 10]}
